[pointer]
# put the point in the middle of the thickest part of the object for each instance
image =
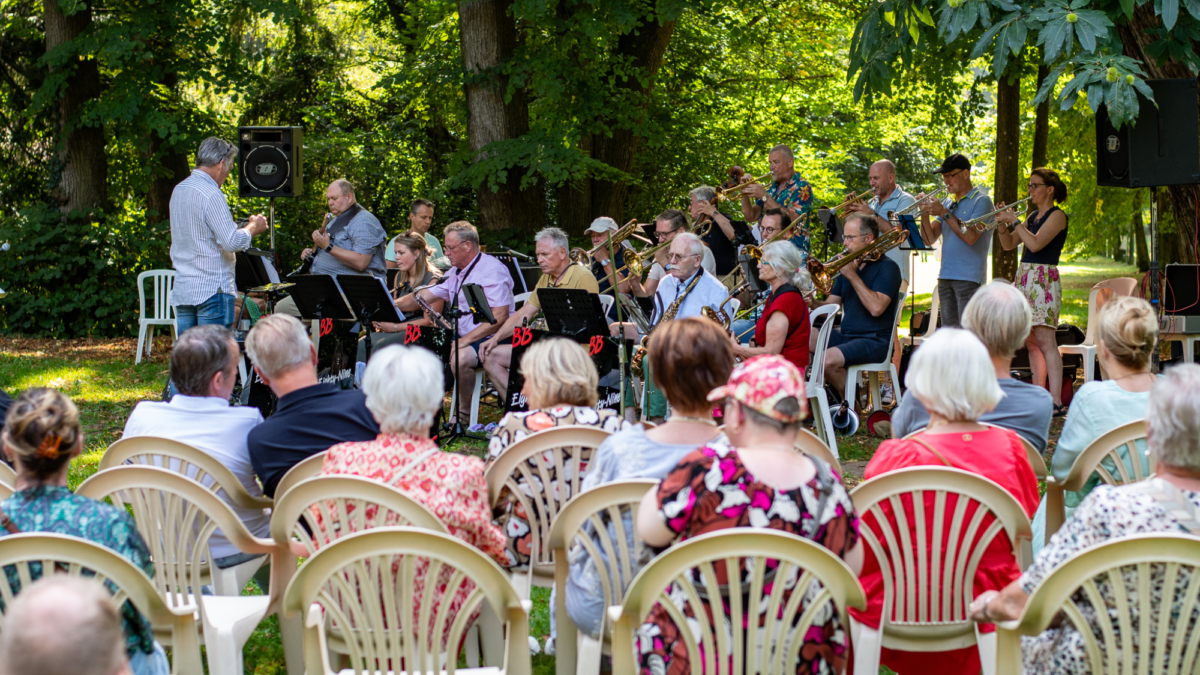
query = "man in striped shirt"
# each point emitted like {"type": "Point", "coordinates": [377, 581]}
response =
{"type": "Point", "coordinates": [204, 239]}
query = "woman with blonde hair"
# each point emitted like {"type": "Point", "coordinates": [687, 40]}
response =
{"type": "Point", "coordinates": [1126, 336]}
{"type": "Point", "coordinates": [952, 376]}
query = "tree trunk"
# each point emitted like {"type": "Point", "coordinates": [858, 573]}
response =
{"type": "Point", "coordinates": [1181, 199]}
{"type": "Point", "coordinates": [1041, 124]}
{"type": "Point", "coordinates": [1139, 238]}
{"type": "Point", "coordinates": [80, 181]}
{"type": "Point", "coordinates": [489, 39]}
{"type": "Point", "coordinates": [171, 168]}
{"type": "Point", "coordinates": [1008, 157]}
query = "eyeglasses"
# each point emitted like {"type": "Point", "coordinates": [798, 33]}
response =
{"type": "Point", "coordinates": [663, 235]}
{"type": "Point", "coordinates": [451, 248]}
{"type": "Point", "coordinates": [675, 257]}
{"type": "Point", "coordinates": [952, 175]}
{"type": "Point", "coordinates": [1035, 185]}
{"type": "Point", "coordinates": [853, 236]}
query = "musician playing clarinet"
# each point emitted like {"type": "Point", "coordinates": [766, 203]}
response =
{"type": "Point", "coordinates": [469, 265]}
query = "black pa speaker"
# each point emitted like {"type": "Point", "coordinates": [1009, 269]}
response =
{"type": "Point", "coordinates": [1162, 147]}
{"type": "Point", "coordinates": [270, 161]}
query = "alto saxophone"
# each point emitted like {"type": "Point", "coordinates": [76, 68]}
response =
{"type": "Point", "coordinates": [635, 365]}
{"type": "Point", "coordinates": [719, 314]}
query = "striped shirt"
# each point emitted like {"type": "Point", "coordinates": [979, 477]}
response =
{"type": "Point", "coordinates": [203, 241]}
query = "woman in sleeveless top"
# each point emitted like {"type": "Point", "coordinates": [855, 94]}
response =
{"type": "Point", "coordinates": [1043, 233]}
{"type": "Point", "coordinates": [415, 271]}
{"type": "Point", "coordinates": [782, 328]}
{"type": "Point", "coordinates": [952, 376]}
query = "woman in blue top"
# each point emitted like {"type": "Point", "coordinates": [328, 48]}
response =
{"type": "Point", "coordinates": [1044, 232]}
{"type": "Point", "coordinates": [41, 436]}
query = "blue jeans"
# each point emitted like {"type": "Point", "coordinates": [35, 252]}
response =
{"type": "Point", "coordinates": [740, 326]}
{"type": "Point", "coordinates": [216, 310]}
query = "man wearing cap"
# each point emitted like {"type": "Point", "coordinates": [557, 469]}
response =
{"type": "Point", "coordinates": [964, 256]}
{"type": "Point", "coordinates": [602, 269]}
{"type": "Point", "coordinates": [550, 246]}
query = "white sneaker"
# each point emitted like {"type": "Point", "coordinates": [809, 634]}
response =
{"type": "Point", "coordinates": [534, 647]}
{"type": "Point", "coordinates": [886, 395]}
{"type": "Point", "coordinates": [549, 646]}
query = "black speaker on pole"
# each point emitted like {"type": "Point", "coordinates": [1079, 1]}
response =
{"type": "Point", "coordinates": [1162, 147]}
{"type": "Point", "coordinates": [270, 161]}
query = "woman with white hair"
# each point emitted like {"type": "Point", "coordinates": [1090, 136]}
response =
{"type": "Point", "coordinates": [951, 374]}
{"type": "Point", "coordinates": [1165, 503]}
{"type": "Point", "coordinates": [403, 386]}
{"type": "Point", "coordinates": [782, 328]}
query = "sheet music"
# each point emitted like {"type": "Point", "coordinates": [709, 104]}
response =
{"type": "Point", "coordinates": [633, 311]}
{"type": "Point", "coordinates": [271, 272]}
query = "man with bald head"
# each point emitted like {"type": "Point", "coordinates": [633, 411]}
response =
{"type": "Point", "coordinates": [887, 197]}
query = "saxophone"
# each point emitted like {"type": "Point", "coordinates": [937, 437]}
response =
{"type": "Point", "coordinates": [635, 365]}
{"type": "Point", "coordinates": [719, 315]}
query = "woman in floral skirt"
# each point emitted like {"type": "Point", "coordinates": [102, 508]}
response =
{"type": "Point", "coordinates": [1043, 233]}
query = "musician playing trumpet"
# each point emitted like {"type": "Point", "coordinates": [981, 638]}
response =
{"type": "Point", "coordinates": [888, 197]}
{"type": "Point", "coordinates": [787, 192]}
{"type": "Point", "coordinates": [782, 328]}
{"type": "Point", "coordinates": [964, 256]}
{"type": "Point", "coordinates": [867, 292]}
{"type": "Point", "coordinates": [722, 234]}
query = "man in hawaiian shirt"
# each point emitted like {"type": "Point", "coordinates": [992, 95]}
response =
{"type": "Point", "coordinates": [787, 191]}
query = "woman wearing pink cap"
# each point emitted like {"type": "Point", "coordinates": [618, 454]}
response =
{"type": "Point", "coordinates": [762, 482]}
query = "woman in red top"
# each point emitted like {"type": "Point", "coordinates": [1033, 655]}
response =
{"type": "Point", "coordinates": [783, 326]}
{"type": "Point", "coordinates": [952, 376]}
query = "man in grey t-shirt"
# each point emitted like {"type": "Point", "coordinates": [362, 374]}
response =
{"type": "Point", "coordinates": [1001, 317]}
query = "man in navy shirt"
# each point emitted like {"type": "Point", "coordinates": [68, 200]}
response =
{"type": "Point", "coordinates": [310, 416]}
{"type": "Point", "coordinates": [867, 292]}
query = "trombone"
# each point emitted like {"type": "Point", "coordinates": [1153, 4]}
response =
{"type": "Point", "coordinates": [976, 223]}
{"type": "Point", "coordinates": [723, 194]}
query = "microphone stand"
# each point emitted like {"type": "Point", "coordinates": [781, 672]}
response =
{"type": "Point", "coordinates": [612, 266]}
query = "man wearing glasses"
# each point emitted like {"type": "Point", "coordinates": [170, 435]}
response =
{"type": "Point", "coordinates": [964, 256]}
{"type": "Point", "coordinates": [668, 225]}
{"type": "Point", "coordinates": [867, 293]}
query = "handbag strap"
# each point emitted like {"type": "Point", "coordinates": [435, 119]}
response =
{"type": "Point", "coordinates": [415, 463]}
{"type": "Point", "coordinates": [934, 451]}
{"type": "Point", "coordinates": [1173, 501]}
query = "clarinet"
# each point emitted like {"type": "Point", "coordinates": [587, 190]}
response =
{"type": "Point", "coordinates": [437, 319]}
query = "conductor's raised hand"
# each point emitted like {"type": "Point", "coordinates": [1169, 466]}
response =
{"type": "Point", "coordinates": [257, 224]}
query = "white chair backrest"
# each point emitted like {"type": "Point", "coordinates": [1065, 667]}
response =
{"type": "Point", "coordinates": [520, 298]}
{"type": "Point", "coordinates": [163, 284]}
{"type": "Point", "coordinates": [7, 475]}
{"type": "Point", "coordinates": [364, 587]}
{"type": "Point", "coordinates": [822, 584]}
{"type": "Point", "coordinates": [185, 460]}
{"type": "Point", "coordinates": [808, 443]}
{"type": "Point", "coordinates": [1129, 632]}
{"type": "Point", "coordinates": [816, 362]}
{"type": "Point", "coordinates": [734, 305]}
{"type": "Point", "coordinates": [309, 467]}
{"type": "Point", "coordinates": [934, 307]}
{"type": "Point", "coordinates": [1100, 294]}
{"type": "Point", "coordinates": [1119, 446]}
{"type": "Point", "coordinates": [926, 597]}
{"type": "Point", "coordinates": [895, 325]}
{"type": "Point", "coordinates": [542, 471]}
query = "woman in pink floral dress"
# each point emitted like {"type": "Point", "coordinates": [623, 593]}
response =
{"type": "Point", "coordinates": [1043, 233]}
{"type": "Point", "coordinates": [403, 386]}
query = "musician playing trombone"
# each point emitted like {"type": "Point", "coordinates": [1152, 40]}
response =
{"type": "Point", "coordinates": [723, 232]}
{"type": "Point", "coordinates": [787, 192]}
{"type": "Point", "coordinates": [888, 197]}
{"type": "Point", "coordinates": [867, 292]}
{"type": "Point", "coordinates": [602, 267]}
{"type": "Point", "coordinates": [964, 256]}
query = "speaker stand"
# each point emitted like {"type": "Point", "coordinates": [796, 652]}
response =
{"type": "Point", "coordinates": [271, 221]}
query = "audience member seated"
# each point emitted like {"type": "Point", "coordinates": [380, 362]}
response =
{"type": "Point", "coordinates": [63, 626]}
{"type": "Point", "coordinates": [560, 386]}
{"type": "Point", "coordinates": [1126, 336]}
{"type": "Point", "coordinates": [403, 386]}
{"type": "Point", "coordinates": [41, 436]}
{"type": "Point", "coordinates": [204, 368]}
{"type": "Point", "coordinates": [782, 327]}
{"type": "Point", "coordinates": [952, 375]}
{"type": "Point", "coordinates": [695, 357]}
{"type": "Point", "coordinates": [775, 487]}
{"type": "Point", "coordinates": [1000, 317]}
{"type": "Point", "coordinates": [1155, 505]}
{"type": "Point", "coordinates": [309, 417]}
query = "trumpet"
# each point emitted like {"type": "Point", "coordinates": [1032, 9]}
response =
{"type": "Point", "coordinates": [839, 209]}
{"type": "Point", "coordinates": [719, 315]}
{"type": "Point", "coordinates": [823, 273]}
{"type": "Point", "coordinates": [981, 223]}
{"type": "Point", "coordinates": [723, 194]}
{"type": "Point", "coordinates": [916, 206]}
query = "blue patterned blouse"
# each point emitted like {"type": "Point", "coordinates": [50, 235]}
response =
{"type": "Point", "coordinates": [60, 511]}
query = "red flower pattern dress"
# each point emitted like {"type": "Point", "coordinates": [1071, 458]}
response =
{"type": "Point", "coordinates": [450, 485]}
{"type": "Point", "coordinates": [712, 490]}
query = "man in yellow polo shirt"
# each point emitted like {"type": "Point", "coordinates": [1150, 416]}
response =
{"type": "Point", "coordinates": [557, 272]}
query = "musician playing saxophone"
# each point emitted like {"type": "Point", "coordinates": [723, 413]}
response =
{"type": "Point", "coordinates": [685, 256]}
{"type": "Point", "coordinates": [867, 292]}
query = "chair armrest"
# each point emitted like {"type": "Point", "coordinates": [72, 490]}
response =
{"type": "Point", "coordinates": [614, 613]}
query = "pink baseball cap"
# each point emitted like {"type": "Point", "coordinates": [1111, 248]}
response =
{"type": "Point", "coordinates": [760, 382]}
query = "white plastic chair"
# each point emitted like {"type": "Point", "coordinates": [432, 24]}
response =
{"type": "Point", "coordinates": [7, 475]}
{"type": "Point", "coordinates": [1100, 293]}
{"type": "Point", "coordinates": [521, 298]}
{"type": "Point", "coordinates": [818, 399]}
{"type": "Point", "coordinates": [202, 468]}
{"type": "Point", "coordinates": [176, 516]}
{"type": "Point", "coordinates": [927, 597]}
{"type": "Point", "coordinates": [362, 586]}
{"type": "Point", "coordinates": [771, 648]}
{"type": "Point", "coordinates": [810, 444]}
{"type": "Point", "coordinates": [309, 467]}
{"type": "Point", "coordinates": [1108, 446]}
{"type": "Point", "coordinates": [523, 471]}
{"type": "Point", "coordinates": [163, 313]}
{"type": "Point", "coordinates": [934, 308]}
{"type": "Point", "coordinates": [874, 369]}
{"type": "Point", "coordinates": [1124, 644]}
{"type": "Point", "coordinates": [607, 504]}
{"type": "Point", "coordinates": [174, 624]}
{"type": "Point", "coordinates": [476, 395]}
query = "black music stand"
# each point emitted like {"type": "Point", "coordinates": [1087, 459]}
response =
{"type": "Point", "coordinates": [573, 311]}
{"type": "Point", "coordinates": [392, 273]}
{"type": "Point", "coordinates": [478, 307]}
{"type": "Point", "coordinates": [833, 229]}
{"type": "Point", "coordinates": [514, 270]}
{"type": "Point", "coordinates": [318, 297]}
{"type": "Point", "coordinates": [370, 301]}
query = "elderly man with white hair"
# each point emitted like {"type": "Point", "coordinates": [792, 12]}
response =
{"type": "Point", "coordinates": [1167, 503]}
{"type": "Point", "coordinates": [1000, 317]}
{"type": "Point", "coordinates": [550, 245]}
{"type": "Point", "coordinates": [310, 416]}
{"type": "Point", "coordinates": [64, 626]}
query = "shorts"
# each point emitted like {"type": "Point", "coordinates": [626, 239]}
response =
{"type": "Point", "coordinates": [475, 347]}
{"type": "Point", "coordinates": [859, 349]}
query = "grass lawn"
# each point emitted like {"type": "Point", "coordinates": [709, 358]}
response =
{"type": "Point", "coordinates": [100, 377]}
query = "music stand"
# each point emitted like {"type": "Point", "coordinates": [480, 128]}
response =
{"type": "Point", "coordinates": [318, 297]}
{"type": "Point", "coordinates": [833, 228]}
{"type": "Point", "coordinates": [750, 272]}
{"type": "Point", "coordinates": [573, 311]}
{"type": "Point", "coordinates": [514, 271]}
{"type": "Point", "coordinates": [392, 273]}
{"type": "Point", "coordinates": [478, 307]}
{"type": "Point", "coordinates": [370, 301]}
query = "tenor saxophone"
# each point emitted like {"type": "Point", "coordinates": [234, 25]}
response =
{"type": "Point", "coordinates": [635, 365]}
